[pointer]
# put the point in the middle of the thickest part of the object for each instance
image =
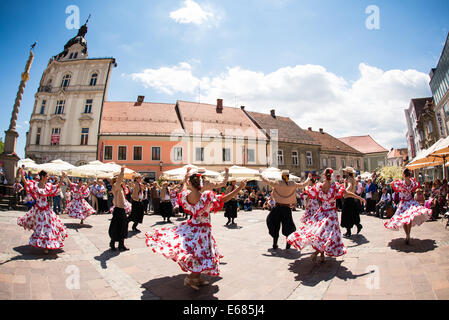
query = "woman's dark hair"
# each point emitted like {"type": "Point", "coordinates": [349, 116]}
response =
{"type": "Point", "coordinates": [328, 173]}
{"type": "Point", "coordinates": [195, 181]}
{"type": "Point", "coordinates": [43, 173]}
{"type": "Point", "coordinates": [407, 172]}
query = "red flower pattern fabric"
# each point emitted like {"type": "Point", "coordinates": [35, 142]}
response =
{"type": "Point", "coordinates": [322, 230]}
{"type": "Point", "coordinates": [312, 207]}
{"type": "Point", "coordinates": [191, 243]}
{"type": "Point", "coordinates": [128, 207]}
{"type": "Point", "coordinates": [409, 211]}
{"type": "Point", "coordinates": [49, 231]}
{"type": "Point", "coordinates": [79, 208]}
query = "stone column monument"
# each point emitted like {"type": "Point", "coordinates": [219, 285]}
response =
{"type": "Point", "coordinates": [9, 157]}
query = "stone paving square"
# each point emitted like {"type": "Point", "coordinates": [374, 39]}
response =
{"type": "Point", "coordinates": [377, 266]}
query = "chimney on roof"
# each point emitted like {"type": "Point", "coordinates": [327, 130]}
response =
{"type": "Point", "coordinates": [310, 128]}
{"type": "Point", "coordinates": [321, 131]}
{"type": "Point", "coordinates": [273, 113]}
{"type": "Point", "coordinates": [242, 107]}
{"type": "Point", "coordinates": [139, 100]}
{"type": "Point", "coordinates": [219, 105]}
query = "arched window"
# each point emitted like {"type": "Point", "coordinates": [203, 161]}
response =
{"type": "Point", "coordinates": [65, 81]}
{"type": "Point", "coordinates": [93, 79]}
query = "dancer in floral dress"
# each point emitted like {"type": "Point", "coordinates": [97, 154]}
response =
{"type": "Point", "coordinates": [312, 206]}
{"type": "Point", "coordinates": [409, 212]}
{"type": "Point", "coordinates": [49, 231]}
{"type": "Point", "coordinates": [323, 231]}
{"type": "Point", "coordinates": [79, 208]}
{"type": "Point", "coordinates": [191, 243]}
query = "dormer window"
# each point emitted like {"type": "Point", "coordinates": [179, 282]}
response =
{"type": "Point", "coordinates": [93, 79]}
{"type": "Point", "coordinates": [75, 55]}
{"type": "Point", "coordinates": [65, 81]}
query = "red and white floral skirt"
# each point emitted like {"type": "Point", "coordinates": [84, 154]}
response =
{"type": "Point", "coordinates": [321, 233]}
{"type": "Point", "coordinates": [79, 209]}
{"type": "Point", "coordinates": [191, 245]}
{"type": "Point", "coordinates": [408, 212]}
{"type": "Point", "coordinates": [49, 231]}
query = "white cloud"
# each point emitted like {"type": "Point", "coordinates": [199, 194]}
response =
{"type": "Point", "coordinates": [311, 95]}
{"type": "Point", "coordinates": [192, 12]}
{"type": "Point", "coordinates": [169, 79]}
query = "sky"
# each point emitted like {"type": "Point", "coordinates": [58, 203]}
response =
{"type": "Point", "coordinates": [349, 67]}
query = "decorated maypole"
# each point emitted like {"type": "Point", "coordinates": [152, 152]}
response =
{"type": "Point", "coordinates": [9, 157]}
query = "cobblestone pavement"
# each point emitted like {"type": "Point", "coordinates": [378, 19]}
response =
{"type": "Point", "coordinates": [378, 264]}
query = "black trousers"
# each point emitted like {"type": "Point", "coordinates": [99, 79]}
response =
{"type": "Point", "coordinates": [280, 215]}
{"type": "Point", "coordinates": [136, 212]}
{"type": "Point", "coordinates": [118, 229]}
{"type": "Point", "coordinates": [231, 209]}
{"type": "Point", "coordinates": [166, 209]}
{"type": "Point", "coordinates": [350, 214]}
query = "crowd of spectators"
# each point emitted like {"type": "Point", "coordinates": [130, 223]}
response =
{"type": "Point", "coordinates": [381, 199]}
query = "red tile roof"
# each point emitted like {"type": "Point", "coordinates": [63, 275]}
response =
{"type": "Point", "coordinates": [231, 122]}
{"type": "Point", "coordinates": [288, 130]}
{"type": "Point", "coordinates": [146, 118]}
{"type": "Point", "coordinates": [397, 153]}
{"type": "Point", "coordinates": [365, 144]}
{"type": "Point", "coordinates": [331, 144]}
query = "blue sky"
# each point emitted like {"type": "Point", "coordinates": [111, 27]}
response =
{"type": "Point", "coordinates": [314, 61]}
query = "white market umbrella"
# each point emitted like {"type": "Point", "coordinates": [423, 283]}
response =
{"type": "Point", "coordinates": [179, 173]}
{"type": "Point", "coordinates": [242, 173]}
{"type": "Point", "coordinates": [366, 175]}
{"type": "Point", "coordinates": [56, 167]}
{"type": "Point", "coordinates": [90, 170]}
{"type": "Point", "coordinates": [276, 174]}
{"type": "Point", "coordinates": [30, 165]}
{"type": "Point", "coordinates": [112, 168]}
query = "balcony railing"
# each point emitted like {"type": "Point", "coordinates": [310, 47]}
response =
{"type": "Point", "coordinates": [50, 89]}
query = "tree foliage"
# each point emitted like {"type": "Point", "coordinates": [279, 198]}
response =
{"type": "Point", "coordinates": [387, 174]}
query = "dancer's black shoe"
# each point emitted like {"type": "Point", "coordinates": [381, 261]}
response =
{"type": "Point", "coordinates": [359, 228]}
{"type": "Point", "coordinates": [112, 245]}
{"type": "Point", "coordinates": [122, 247]}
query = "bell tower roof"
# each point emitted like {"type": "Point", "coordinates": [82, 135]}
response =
{"type": "Point", "coordinates": [76, 47]}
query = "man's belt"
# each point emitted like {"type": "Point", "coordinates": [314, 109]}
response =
{"type": "Point", "coordinates": [282, 205]}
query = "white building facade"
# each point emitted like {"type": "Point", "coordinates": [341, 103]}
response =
{"type": "Point", "coordinates": [68, 105]}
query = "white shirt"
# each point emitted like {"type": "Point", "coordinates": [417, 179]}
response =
{"type": "Point", "coordinates": [385, 197]}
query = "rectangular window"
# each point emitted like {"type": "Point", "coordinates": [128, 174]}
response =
{"type": "Point", "coordinates": [108, 153]}
{"type": "Point", "coordinates": [88, 106]}
{"type": "Point", "coordinates": [334, 163]}
{"type": "Point", "coordinates": [38, 136]}
{"type": "Point", "coordinates": [324, 163]}
{"type": "Point", "coordinates": [122, 153]}
{"type": "Point", "coordinates": [226, 155]}
{"type": "Point", "coordinates": [295, 158]}
{"type": "Point", "coordinates": [352, 163]}
{"type": "Point", "coordinates": [343, 163]}
{"type": "Point", "coordinates": [309, 158]}
{"type": "Point", "coordinates": [199, 154]}
{"type": "Point", "coordinates": [84, 136]}
{"type": "Point", "coordinates": [177, 153]}
{"type": "Point", "coordinates": [156, 153]}
{"type": "Point", "coordinates": [60, 107]}
{"type": "Point", "coordinates": [44, 102]}
{"type": "Point", "coordinates": [251, 155]}
{"type": "Point", "coordinates": [280, 157]}
{"type": "Point", "coordinates": [137, 154]}
{"type": "Point", "coordinates": [55, 136]}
